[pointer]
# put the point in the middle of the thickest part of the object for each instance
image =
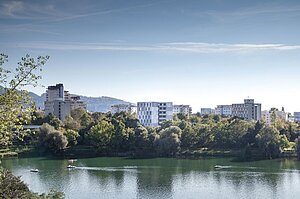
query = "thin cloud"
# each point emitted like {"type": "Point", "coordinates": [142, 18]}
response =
{"type": "Point", "coordinates": [28, 11]}
{"type": "Point", "coordinates": [190, 47]}
{"type": "Point", "coordinates": [271, 10]}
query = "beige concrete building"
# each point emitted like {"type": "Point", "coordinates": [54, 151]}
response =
{"type": "Point", "coordinates": [248, 110]}
{"type": "Point", "coordinates": [267, 115]}
{"type": "Point", "coordinates": [60, 103]}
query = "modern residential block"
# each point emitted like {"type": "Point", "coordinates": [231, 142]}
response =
{"type": "Point", "coordinates": [207, 111]}
{"type": "Point", "coordinates": [184, 109]}
{"type": "Point", "coordinates": [268, 116]}
{"type": "Point", "coordinates": [296, 116]}
{"type": "Point", "coordinates": [224, 110]}
{"type": "Point", "coordinates": [154, 113]}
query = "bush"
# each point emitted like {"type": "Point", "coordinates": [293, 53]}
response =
{"type": "Point", "coordinates": [51, 139]}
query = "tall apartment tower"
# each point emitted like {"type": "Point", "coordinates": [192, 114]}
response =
{"type": "Point", "coordinates": [248, 110]}
{"type": "Point", "coordinates": [60, 103]}
{"type": "Point", "coordinates": [154, 113]}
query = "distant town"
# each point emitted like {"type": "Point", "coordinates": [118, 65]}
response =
{"type": "Point", "coordinates": [60, 103]}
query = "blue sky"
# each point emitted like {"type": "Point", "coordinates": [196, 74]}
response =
{"type": "Point", "coordinates": [201, 53]}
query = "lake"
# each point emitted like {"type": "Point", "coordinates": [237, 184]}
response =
{"type": "Point", "coordinates": [161, 178]}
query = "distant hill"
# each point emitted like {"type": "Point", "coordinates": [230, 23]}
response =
{"type": "Point", "coordinates": [94, 104]}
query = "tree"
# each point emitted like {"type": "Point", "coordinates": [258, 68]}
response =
{"type": "Point", "coordinates": [139, 140]}
{"type": "Point", "coordinates": [70, 123]}
{"type": "Point", "coordinates": [53, 121]}
{"type": "Point", "coordinates": [168, 141]}
{"type": "Point", "coordinates": [85, 120]}
{"type": "Point", "coordinates": [101, 134]}
{"type": "Point", "coordinates": [51, 139]}
{"type": "Point", "coordinates": [72, 137]}
{"type": "Point", "coordinates": [269, 142]}
{"type": "Point", "coordinates": [188, 136]}
{"type": "Point", "coordinates": [77, 113]}
{"type": "Point", "coordinates": [297, 141]}
{"type": "Point", "coordinates": [121, 135]}
{"type": "Point", "coordinates": [15, 104]}
{"type": "Point", "coordinates": [12, 187]}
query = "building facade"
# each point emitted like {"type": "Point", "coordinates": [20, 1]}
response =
{"type": "Point", "coordinates": [127, 108]}
{"type": "Point", "coordinates": [207, 111]}
{"type": "Point", "coordinates": [184, 109]}
{"type": "Point", "coordinates": [154, 113]}
{"type": "Point", "coordinates": [60, 103]}
{"type": "Point", "coordinates": [248, 110]}
{"type": "Point", "coordinates": [268, 116]}
{"type": "Point", "coordinates": [224, 110]}
{"type": "Point", "coordinates": [296, 116]}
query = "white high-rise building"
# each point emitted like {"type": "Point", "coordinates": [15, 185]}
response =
{"type": "Point", "coordinates": [184, 109]}
{"type": "Point", "coordinates": [60, 103]}
{"type": "Point", "coordinates": [127, 108]}
{"type": "Point", "coordinates": [225, 110]}
{"type": "Point", "coordinates": [154, 113]}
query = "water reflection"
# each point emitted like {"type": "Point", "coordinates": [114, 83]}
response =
{"type": "Point", "coordinates": [161, 178]}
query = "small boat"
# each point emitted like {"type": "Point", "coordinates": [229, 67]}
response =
{"type": "Point", "coordinates": [34, 170]}
{"type": "Point", "coordinates": [72, 160]}
{"type": "Point", "coordinates": [222, 167]}
{"type": "Point", "coordinates": [71, 167]}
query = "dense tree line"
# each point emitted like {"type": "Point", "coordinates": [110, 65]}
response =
{"type": "Point", "coordinates": [122, 132]}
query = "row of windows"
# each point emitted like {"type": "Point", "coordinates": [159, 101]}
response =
{"type": "Point", "coordinates": [162, 108]}
{"type": "Point", "coordinates": [144, 104]}
{"type": "Point", "coordinates": [145, 122]}
{"type": "Point", "coordinates": [144, 108]}
{"type": "Point", "coordinates": [145, 113]}
{"type": "Point", "coordinates": [144, 117]}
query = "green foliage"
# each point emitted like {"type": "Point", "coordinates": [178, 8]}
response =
{"type": "Point", "coordinates": [72, 137]}
{"type": "Point", "coordinates": [52, 140]}
{"type": "Point", "coordinates": [269, 141]}
{"type": "Point", "coordinates": [15, 104]}
{"type": "Point", "coordinates": [139, 140]}
{"type": "Point", "coordinates": [12, 187]}
{"type": "Point", "coordinates": [168, 141]}
{"type": "Point", "coordinates": [297, 141]}
{"type": "Point", "coordinates": [101, 134]}
{"type": "Point", "coordinates": [85, 120]}
{"type": "Point", "coordinates": [70, 123]}
{"type": "Point", "coordinates": [189, 135]}
{"type": "Point", "coordinates": [53, 121]}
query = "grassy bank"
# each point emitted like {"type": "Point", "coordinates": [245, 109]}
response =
{"type": "Point", "coordinates": [83, 151]}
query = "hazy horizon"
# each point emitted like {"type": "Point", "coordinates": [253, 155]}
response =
{"type": "Point", "coordinates": [201, 53]}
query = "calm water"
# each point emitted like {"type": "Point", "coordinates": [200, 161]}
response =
{"type": "Point", "coordinates": [161, 178]}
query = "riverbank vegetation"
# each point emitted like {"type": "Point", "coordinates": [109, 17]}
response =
{"type": "Point", "coordinates": [16, 109]}
{"type": "Point", "coordinates": [13, 187]}
{"type": "Point", "coordinates": [94, 134]}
